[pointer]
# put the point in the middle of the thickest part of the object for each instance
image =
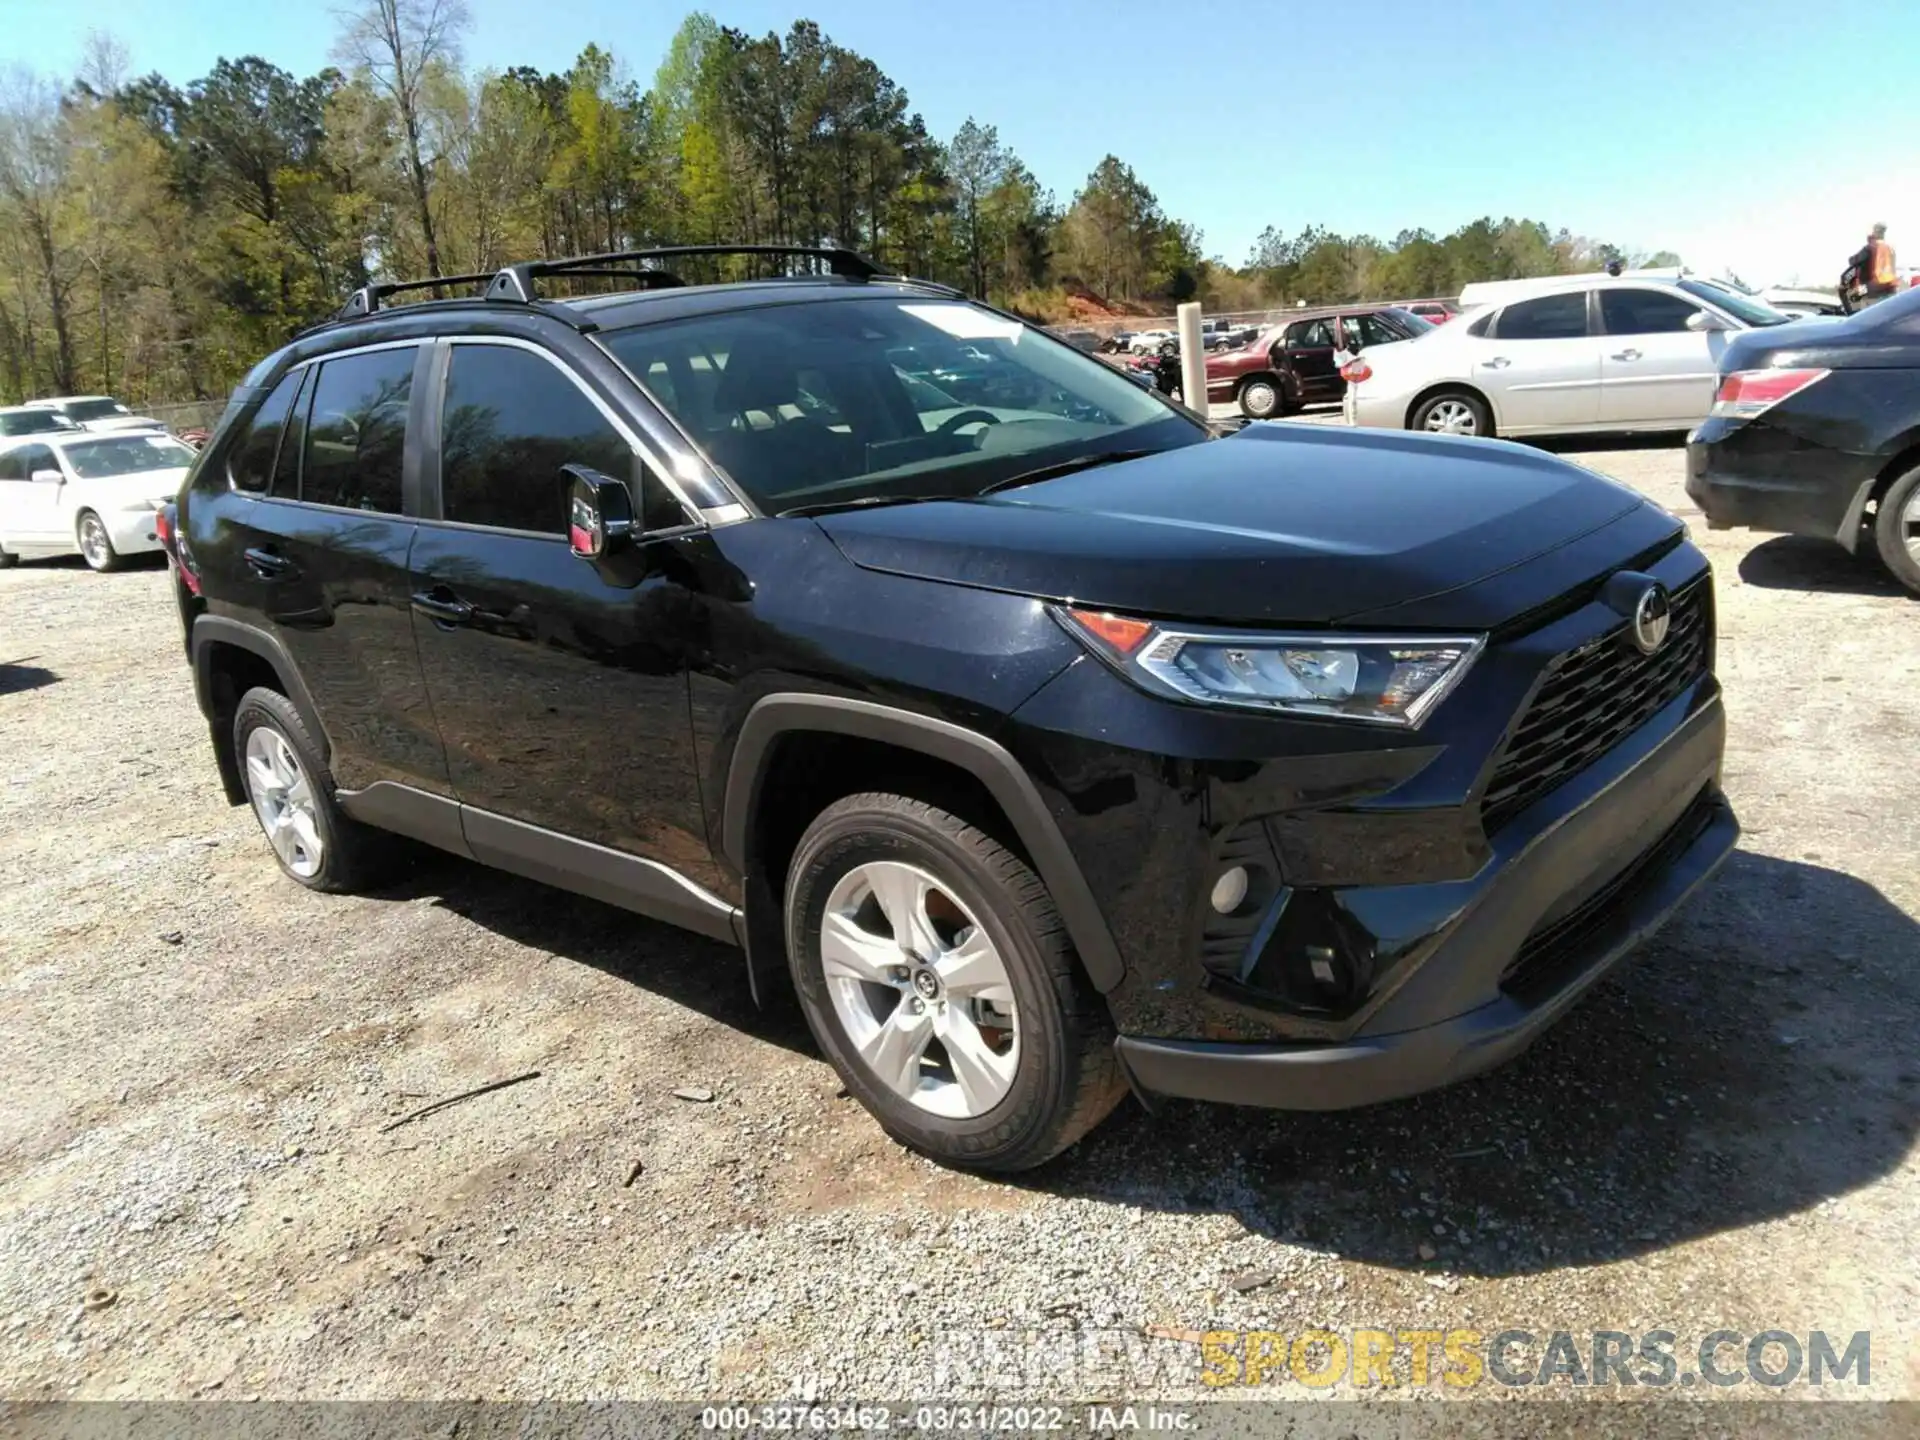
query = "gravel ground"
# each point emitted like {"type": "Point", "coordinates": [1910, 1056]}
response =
{"type": "Point", "coordinates": [198, 1198]}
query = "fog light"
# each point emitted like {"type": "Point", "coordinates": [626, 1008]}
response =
{"type": "Point", "coordinates": [1230, 890]}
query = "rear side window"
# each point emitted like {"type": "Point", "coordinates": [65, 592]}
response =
{"type": "Point", "coordinates": [251, 464]}
{"type": "Point", "coordinates": [512, 419]}
{"type": "Point", "coordinates": [20, 462]}
{"type": "Point", "coordinates": [1644, 312]}
{"type": "Point", "coordinates": [357, 431]}
{"type": "Point", "coordinates": [13, 464]}
{"type": "Point", "coordinates": [1549, 317]}
{"type": "Point", "coordinates": [286, 471]}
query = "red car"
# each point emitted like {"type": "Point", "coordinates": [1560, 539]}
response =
{"type": "Point", "coordinates": [1297, 362]}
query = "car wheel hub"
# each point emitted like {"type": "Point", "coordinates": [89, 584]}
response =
{"type": "Point", "coordinates": [283, 801]}
{"type": "Point", "coordinates": [920, 989]}
{"type": "Point", "coordinates": [1910, 526]}
{"type": "Point", "coordinates": [93, 541]}
{"type": "Point", "coordinates": [1452, 417]}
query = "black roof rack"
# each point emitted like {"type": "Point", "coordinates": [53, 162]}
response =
{"type": "Point", "coordinates": [367, 298]}
{"type": "Point", "coordinates": [516, 282]}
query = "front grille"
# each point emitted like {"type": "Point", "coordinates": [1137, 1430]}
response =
{"type": "Point", "coordinates": [1591, 700]}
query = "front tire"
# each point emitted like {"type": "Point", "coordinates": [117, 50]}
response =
{"type": "Point", "coordinates": [96, 546]}
{"type": "Point", "coordinates": [8, 559]}
{"type": "Point", "coordinates": [939, 982]}
{"type": "Point", "coordinates": [1260, 398]}
{"type": "Point", "coordinates": [291, 792]}
{"type": "Point", "coordinates": [1452, 412]}
{"type": "Point", "coordinates": [1896, 530]}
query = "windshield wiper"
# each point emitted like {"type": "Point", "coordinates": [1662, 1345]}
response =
{"type": "Point", "coordinates": [863, 502]}
{"type": "Point", "coordinates": [1064, 467]}
{"type": "Point", "coordinates": [1025, 477]}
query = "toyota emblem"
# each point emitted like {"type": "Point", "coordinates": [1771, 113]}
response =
{"type": "Point", "coordinates": [1652, 615]}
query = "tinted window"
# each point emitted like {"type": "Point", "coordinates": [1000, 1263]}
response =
{"type": "Point", "coordinates": [1550, 317]}
{"type": "Point", "coordinates": [358, 431]}
{"type": "Point", "coordinates": [34, 422]}
{"type": "Point", "coordinates": [1643, 312]}
{"type": "Point", "coordinates": [512, 420]}
{"type": "Point", "coordinates": [286, 472]}
{"type": "Point", "coordinates": [1310, 335]}
{"type": "Point", "coordinates": [27, 459]}
{"type": "Point", "coordinates": [251, 465]}
{"type": "Point", "coordinates": [13, 465]}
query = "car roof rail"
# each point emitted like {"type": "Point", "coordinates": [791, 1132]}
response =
{"type": "Point", "coordinates": [368, 298]}
{"type": "Point", "coordinates": [516, 282]}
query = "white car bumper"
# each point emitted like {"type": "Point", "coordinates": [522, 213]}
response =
{"type": "Point", "coordinates": [132, 531]}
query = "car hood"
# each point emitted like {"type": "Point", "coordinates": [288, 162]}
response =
{"type": "Point", "coordinates": [1287, 524]}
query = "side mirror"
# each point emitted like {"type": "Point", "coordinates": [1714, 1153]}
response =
{"type": "Point", "coordinates": [48, 477]}
{"type": "Point", "coordinates": [599, 512]}
{"type": "Point", "coordinates": [1701, 322]}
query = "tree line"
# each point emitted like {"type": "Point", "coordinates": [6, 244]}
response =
{"type": "Point", "coordinates": [160, 237]}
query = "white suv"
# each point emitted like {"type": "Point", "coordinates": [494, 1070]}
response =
{"type": "Point", "coordinates": [1587, 353]}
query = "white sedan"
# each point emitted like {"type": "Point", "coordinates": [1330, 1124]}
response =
{"type": "Point", "coordinates": [1592, 354]}
{"type": "Point", "coordinates": [93, 493]}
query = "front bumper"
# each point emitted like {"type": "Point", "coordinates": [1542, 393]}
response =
{"type": "Point", "coordinates": [132, 531]}
{"type": "Point", "coordinates": [1558, 914]}
{"type": "Point", "coordinates": [1757, 476]}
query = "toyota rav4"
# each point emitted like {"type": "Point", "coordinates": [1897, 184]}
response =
{"type": "Point", "coordinates": [1045, 745]}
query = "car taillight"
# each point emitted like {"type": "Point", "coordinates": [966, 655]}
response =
{"type": "Point", "coordinates": [163, 527]}
{"type": "Point", "coordinates": [1354, 371]}
{"type": "Point", "coordinates": [1745, 393]}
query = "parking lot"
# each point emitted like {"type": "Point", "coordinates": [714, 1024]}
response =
{"type": "Point", "coordinates": [200, 1194]}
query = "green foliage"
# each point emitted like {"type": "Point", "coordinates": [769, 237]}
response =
{"type": "Point", "coordinates": [159, 236]}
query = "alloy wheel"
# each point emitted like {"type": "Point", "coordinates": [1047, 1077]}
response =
{"type": "Point", "coordinates": [284, 802]}
{"type": "Point", "coordinates": [920, 989]}
{"type": "Point", "coordinates": [1452, 417]}
{"type": "Point", "coordinates": [1910, 526]}
{"type": "Point", "coordinates": [95, 547]}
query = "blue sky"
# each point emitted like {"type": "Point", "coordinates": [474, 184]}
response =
{"type": "Point", "coordinates": [1730, 133]}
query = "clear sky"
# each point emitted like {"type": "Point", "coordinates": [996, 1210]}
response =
{"type": "Point", "coordinates": [1763, 136]}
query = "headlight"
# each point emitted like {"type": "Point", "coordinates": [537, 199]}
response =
{"type": "Point", "coordinates": [1389, 680]}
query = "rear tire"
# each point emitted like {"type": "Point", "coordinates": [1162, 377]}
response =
{"type": "Point", "coordinates": [291, 792]}
{"type": "Point", "coordinates": [8, 559]}
{"type": "Point", "coordinates": [1896, 530]}
{"type": "Point", "coordinates": [1261, 398]}
{"type": "Point", "coordinates": [96, 546]}
{"type": "Point", "coordinates": [979, 1040]}
{"type": "Point", "coordinates": [1452, 412]}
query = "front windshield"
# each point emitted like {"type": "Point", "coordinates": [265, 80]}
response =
{"type": "Point", "coordinates": [99, 409]}
{"type": "Point", "coordinates": [33, 422]}
{"type": "Point", "coordinates": [98, 459]}
{"type": "Point", "coordinates": [837, 401]}
{"type": "Point", "coordinates": [1742, 307]}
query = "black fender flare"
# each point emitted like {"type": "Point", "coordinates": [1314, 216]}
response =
{"type": "Point", "coordinates": [986, 760]}
{"type": "Point", "coordinates": [211, 630]}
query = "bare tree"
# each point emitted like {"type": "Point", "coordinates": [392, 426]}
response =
{"type": "Point", "coordinates": [34, 167]}
{"type": "Point", "coordinates": [397, 43]}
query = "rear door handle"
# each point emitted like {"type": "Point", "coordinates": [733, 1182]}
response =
{"type": "Point", "coordinates": [1627, 355]}
{"type": "Point", "coordinates": [442, 606]}
{"type": "Point", "coordinates": [268, 564]}
{"type": "Point", "coordinates": [1498, 362]}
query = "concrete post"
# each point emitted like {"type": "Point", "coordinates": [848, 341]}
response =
{"type": "Point", "coordinates": [1193, 359]}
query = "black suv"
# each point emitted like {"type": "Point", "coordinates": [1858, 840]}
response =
{"type": "Point", "coordinates": [1044, 749]}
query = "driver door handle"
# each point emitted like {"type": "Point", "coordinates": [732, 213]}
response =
{"type": "Point", "coordinates": [1498, 362]}
{"type": "Point", "coordinates": [442, 606]}
{"type": "Point", "coordinates": [1626, 355]}
{"type": "Point", "coordinates": [268, 564]}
